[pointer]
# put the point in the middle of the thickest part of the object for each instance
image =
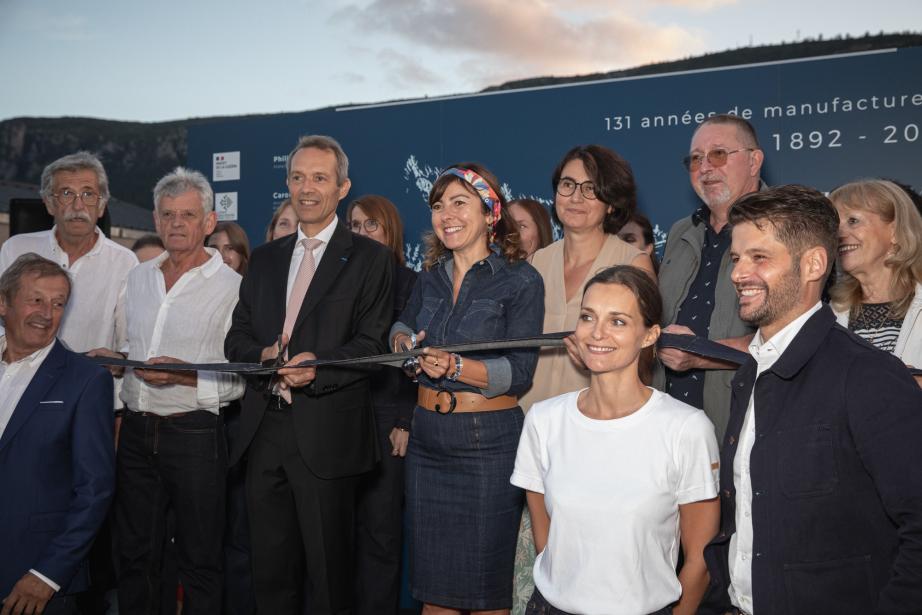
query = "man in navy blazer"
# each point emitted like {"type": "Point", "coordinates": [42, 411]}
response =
{"type": "Point", "coordinates": [57, 456]}
{"type": "Point", "coordinates": [821, 468]}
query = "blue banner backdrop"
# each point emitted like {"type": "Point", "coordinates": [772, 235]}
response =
{"type": "Point", "coordinates": [821, 121]}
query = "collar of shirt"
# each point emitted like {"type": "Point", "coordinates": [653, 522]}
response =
{"type": "Point", "coordinates": [207, 269]}
{"type": "Point", "coordinates": [767, 352]}
{"type": "Point", "coordinates": [494, 260]}
{"type": "Point", "coordinates": [57, 249]}
{"type": "Point", "coordinates": [33, 360]}
{"type": "Point", "coordinates": [325, 235]}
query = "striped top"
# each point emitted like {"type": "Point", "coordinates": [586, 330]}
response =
{"type": "Point", "coordinates": [875, 324]}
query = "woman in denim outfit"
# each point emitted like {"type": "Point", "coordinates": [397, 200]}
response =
{"type": "Point", "coordinates": [475, 286]}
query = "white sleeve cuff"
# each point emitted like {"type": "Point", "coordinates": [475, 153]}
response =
{"type": "Point", "coordinates": [48, 581]}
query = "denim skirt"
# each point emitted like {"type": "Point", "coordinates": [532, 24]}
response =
{"type": "Point", "coordinates": [463, 512]}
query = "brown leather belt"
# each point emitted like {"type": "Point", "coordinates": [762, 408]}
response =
{"type": "Point", "coordinates": [446, 402]}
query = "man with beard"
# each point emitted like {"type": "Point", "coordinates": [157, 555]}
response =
{"type": "Point", "coordinates": [698, 299]}
{"type": "Point", "coordinates": [820, 471]}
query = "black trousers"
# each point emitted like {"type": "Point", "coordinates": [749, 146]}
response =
{"type": "Point", "coordinates": [379, 529]}
{"type": "Point", "coordinates": [181, 463]}
{"type": "Point", "coordinates": [239, 598]}
{"type": "Point", "coordinates": [537, 605]}
{"type": "Point", "coordinates": [298, 522]}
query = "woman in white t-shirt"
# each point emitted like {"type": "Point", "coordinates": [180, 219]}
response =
{"type": "Point", "coordinates": [618, 476]}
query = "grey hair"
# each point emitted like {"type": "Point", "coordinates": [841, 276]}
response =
{"type": "Point", "coordinates": [72, 163]}
{"type": "Point", "coordinates": [181, 180]}
{"type": "Point", "coordinates": [327, 144]}
{"type": "Point", "coordinates": [27, 264]}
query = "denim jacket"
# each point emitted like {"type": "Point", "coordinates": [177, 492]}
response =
{"type": "Point", "coordinates": [497, 300]}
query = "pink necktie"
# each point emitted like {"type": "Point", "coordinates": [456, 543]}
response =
{"type": "Point", "coordinates": [298, 292]}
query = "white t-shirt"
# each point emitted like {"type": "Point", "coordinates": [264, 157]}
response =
{"type": "Point", "coordinates": [612, 489]}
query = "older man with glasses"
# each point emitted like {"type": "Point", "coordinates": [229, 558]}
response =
{"type": "Point", "coordinates": [75, 190]}
{"type": "Point", "coordinates": [694, 278]}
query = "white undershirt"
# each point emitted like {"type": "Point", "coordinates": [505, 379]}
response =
{"type": "Point", "coordinates": [766, 353]}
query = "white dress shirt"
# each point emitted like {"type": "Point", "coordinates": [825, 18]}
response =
{"type": "Point", "coordinates": [298, 255]}
{"type": "Point", "coordinates": [98, 279]}
{"type": "Point", "coordinates": [188, 322]}
{"type": "Point", "coordinates": [97, 289]}
{"type": "Point", "coordinates": [765, 352]}
{"type": "Point", "coordinates": [14, 380]}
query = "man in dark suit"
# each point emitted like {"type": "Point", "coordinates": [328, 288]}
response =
{"type": "Point", "coordinates": [821, 469]}
{"type": "Point", "coordinates": [57, 453]}
{"type": "Point", "coordinates": [310, 434]}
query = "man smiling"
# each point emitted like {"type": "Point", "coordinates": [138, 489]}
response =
{"type": "Point", "coordinates": [821, 493]}
{"type": "Point", "coordinates": [723, 164]}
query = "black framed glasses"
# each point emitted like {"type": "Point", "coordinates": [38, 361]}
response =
{"type": "Point", "coordinates": [69, 197]}
{"type": "Point", "coordinates": [567, 186]}
{"type": "Point", "coordinates": [716, 157]}
{"type": "Point", "coordinates": [370, 224]}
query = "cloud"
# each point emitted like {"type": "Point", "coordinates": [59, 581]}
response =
{"type": "Point", "coordinates": [527, 38]}
{"type": "Point", "coordinates": [405, 71]}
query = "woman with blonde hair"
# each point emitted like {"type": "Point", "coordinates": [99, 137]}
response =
{"type": "Point", "coordinates": [878, 292]}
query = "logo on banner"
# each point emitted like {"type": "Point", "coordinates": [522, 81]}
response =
{"type": "Point", "coordinates": [225, 166]}
{"type": "Point", "coordinates": [279, 161]}
{"type": "Point", "coordinates": [226, 206]}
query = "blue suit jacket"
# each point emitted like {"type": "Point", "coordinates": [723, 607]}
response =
{"type": "Point", "coordinates": [57, 472]}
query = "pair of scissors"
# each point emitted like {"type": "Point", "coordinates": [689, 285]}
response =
{"type": "Point", "coordinates": [279, 362]}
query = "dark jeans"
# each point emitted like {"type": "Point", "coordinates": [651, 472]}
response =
{"type": "Point", "coordinates": [181, 463]}
{"type": "Point", "coordinates": [537, 605]}
{"type": "Point", "coordinates": [379, 529]}
{"type": "Point", "coordinates": [239, 598]}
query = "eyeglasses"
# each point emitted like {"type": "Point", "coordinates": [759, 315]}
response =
{"type": "Point", "coordinates": [370, 224]}
{"type": "Point", "coordinates": [716, 158]}
{"type": "Point", "coordinates": [69, 197]}
{"type": "Point", "coordinates": [566, 187]}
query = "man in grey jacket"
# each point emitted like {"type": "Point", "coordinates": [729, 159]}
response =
{"type": "Point", "coordinates": [698, 298]}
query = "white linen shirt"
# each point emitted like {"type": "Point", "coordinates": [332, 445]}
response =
{"type": "Point", "coordinates": [97, 278]}
{"type": "Point", "coordinates": [766, 353]}
{"type": "Point", "coordinates": [188, 323]}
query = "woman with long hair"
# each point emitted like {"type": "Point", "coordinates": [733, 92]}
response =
{"type": "Point", "coordinates": [379, 506]}
{"type": "Point", "coordinates": [475, 286]}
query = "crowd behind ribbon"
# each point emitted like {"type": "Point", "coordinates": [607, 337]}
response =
{"type": "Point", "coordinates": [606, 477]}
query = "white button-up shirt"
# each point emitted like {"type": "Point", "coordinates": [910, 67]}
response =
{"type": "Point", "coordinates": [15, 378]}
{"type": "Point", "coordinates": [188, 322]}
{"type": "Point", "coordinates": [98, 279]}
{"type": "Point", "coordinates": [97, 289]}
{"type": "Point", "coordinates": [765, 352]}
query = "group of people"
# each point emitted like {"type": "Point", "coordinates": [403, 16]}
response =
{"type": "Point", "coordinates": [606, 476]}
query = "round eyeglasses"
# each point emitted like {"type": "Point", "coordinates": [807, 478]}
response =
{"type": "Point", "coordinates": [567, 186]}
{"type": "Point", "coordinates": [370, 225]}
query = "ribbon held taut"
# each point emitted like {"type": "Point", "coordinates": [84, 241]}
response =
{"type": "Point", "coordinates": [690, 343]}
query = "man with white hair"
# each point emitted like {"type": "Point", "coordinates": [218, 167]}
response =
{"type": "Point", "coordinates": [172, 451]}
{"type": "Point", "coordinates": [75, 189]}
